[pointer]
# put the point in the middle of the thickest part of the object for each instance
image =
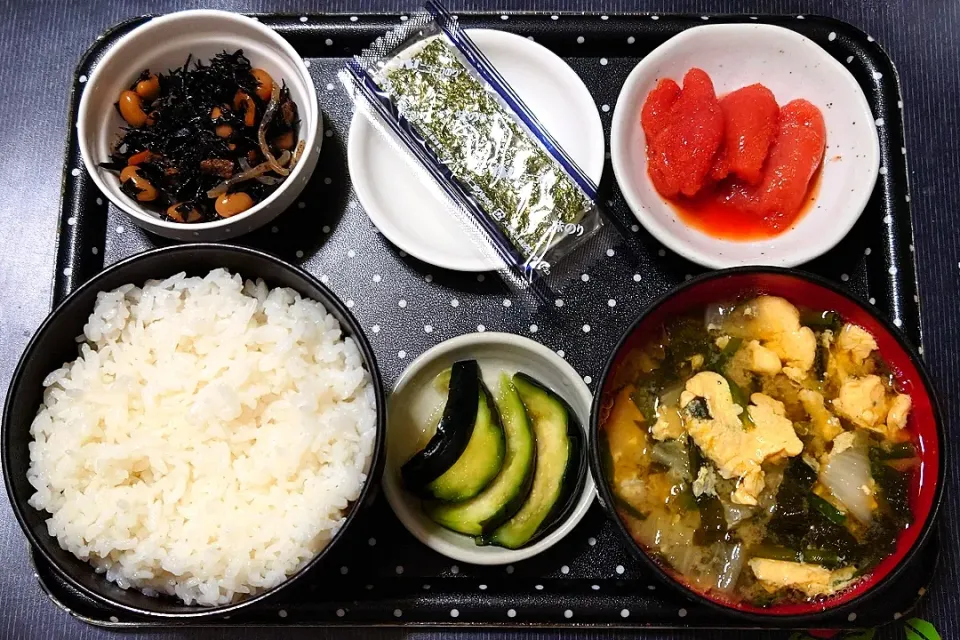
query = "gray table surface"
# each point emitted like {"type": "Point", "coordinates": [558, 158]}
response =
{"type": "Point", "coordinates": [41, 42]}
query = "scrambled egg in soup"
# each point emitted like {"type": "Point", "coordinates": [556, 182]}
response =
{"type": "Point", "coordinates": [761, 451]}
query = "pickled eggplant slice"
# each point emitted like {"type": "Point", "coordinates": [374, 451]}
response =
{"type": "Point", "coordinates": [559, 473]}
{"type": "Point", "coordinates": [453, 432]}
{"type": "Point", "coordinates": [508, 491]}
{"type": "Point", "coordinates": [480, 462]}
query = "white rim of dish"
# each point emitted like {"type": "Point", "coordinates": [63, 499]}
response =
{"type": "Point", "coordinates": [394, 492]}
{"type": "Point", "coordinates": [276, 40]}
{"type": "Point", "coordinates": [361, 179]}
{"type": "Point", "coordinates": [661, 232]}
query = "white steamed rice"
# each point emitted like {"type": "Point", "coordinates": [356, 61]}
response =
{"type": "Point", "coordinates": [207, 441]}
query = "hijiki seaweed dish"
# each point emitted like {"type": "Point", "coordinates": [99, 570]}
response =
{"type": "Point", "coordinates": [205, 141]}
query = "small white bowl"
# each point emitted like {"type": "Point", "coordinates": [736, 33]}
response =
{"type": "Point", "coordinates": [791, 66]}
{"type": "Point", "coordinates": [163, 43]}
{"type": "Point", "coordinates": [406, 417]}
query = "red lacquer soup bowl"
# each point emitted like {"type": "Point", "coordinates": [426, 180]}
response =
{"type": "Point", "coordinates": [925, 425]}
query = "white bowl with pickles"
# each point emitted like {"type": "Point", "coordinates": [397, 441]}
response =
{"type": "Point", "coordinates": [486, 448]}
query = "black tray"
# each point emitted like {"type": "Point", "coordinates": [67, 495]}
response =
{"type": "Point", "coordinates": [382, 575]}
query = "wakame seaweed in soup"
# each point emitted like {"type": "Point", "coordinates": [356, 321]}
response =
{"type": "Point", "coordinates": [761, 451]}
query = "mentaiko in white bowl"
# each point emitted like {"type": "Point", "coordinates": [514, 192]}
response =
{"type": "Point", "coordinates": [495, 352]}
{"type": "Point", "coordinates": [162, 44]}
{"type": "Point", "coordinates": [791, 66]}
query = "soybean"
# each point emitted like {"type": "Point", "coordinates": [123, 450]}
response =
{"type": "Point", "coordinates": [242, 100]}
{"type": "Point", "coordinates": [148, 88]}
{"type": "Point", "coordinates": [140, 158]}
{"type": "Point", "coordinates": [264, 83]}
{"type": "Point", "coordinates": [131, 108]}
{"type": "Point", "coordinates": [146, 192]}
{"type": "Point", "coordinates": [230, 204]}
{"type": "Point", "coordinates": [223, 130]}
{"type": "Point", "coordinates": [182, 212]}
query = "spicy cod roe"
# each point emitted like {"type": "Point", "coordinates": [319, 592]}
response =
{"type": "Point", "coordinates": [737, 167]}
